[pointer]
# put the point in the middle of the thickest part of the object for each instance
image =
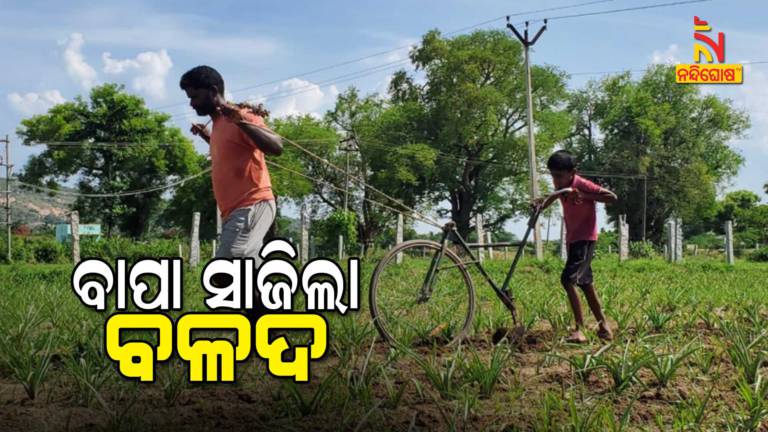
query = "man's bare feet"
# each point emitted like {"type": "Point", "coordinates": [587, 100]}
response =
{"type": "Point", "coordinates": [577, 337]}
{"type": "Point", "coordinates": [604, 333]}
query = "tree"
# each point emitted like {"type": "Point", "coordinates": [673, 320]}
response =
{"type": "Point", "coordinates": [390, 157]}
{"type": "Point", "coordinates": [471, 109]}
{"type": "Point", "coordinates": [153, 155]}
{"type": "Point", "coordinates": [319, 138]}
{"type": "Point", "coordinates": [195, 195]}
{"type": "Point", "coordinates": [669, 132]}
{"type": "Point", "coordinates": [750, 218]}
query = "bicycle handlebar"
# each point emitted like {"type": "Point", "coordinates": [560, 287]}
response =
{"type": "Point", "coordinates": [551, 197]}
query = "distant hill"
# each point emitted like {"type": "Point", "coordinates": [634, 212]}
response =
{"type": "Point", "coordinates": [35, 208]}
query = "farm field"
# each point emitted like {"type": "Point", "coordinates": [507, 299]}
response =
{"type": "Point", "coordinates": [688, 355]}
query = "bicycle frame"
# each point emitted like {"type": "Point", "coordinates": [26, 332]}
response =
{"type": "Point", "coordinates": [503, 292]}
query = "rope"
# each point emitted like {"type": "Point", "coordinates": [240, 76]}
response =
{"type": "Point", "coordinates": [331, 185]}
{"type": "Point", "coordinates": [363, 183]}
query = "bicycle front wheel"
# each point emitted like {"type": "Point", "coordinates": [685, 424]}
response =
{"type": "Point", "coordinates": [405, 311]}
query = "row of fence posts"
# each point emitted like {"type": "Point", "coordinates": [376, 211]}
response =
{"type": "Point", "coordinates": [673, 247]}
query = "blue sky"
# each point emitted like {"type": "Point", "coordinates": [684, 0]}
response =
{"type": "Point", "coordinates": [54, 51]}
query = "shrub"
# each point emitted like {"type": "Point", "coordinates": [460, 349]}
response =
{"type": "Point", "coordinates": [642, 249]}
{"type": "Point", "coordinates": [36, 249]}
{"type": "Point", "coordinates": [760, 255]}
{"type": "Point", "coordinates": [605, 239]}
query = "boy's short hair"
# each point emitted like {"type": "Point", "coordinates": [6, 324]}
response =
{"type": "Point", "coordinates": [562, 160]}
{"type": "Point", "coordinates": [202, 77]}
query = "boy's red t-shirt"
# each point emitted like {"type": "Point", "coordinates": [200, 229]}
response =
{"type": "Point", "coordinates": [580, 219]}
{"type": "Point", "coordinates": [239, 171]}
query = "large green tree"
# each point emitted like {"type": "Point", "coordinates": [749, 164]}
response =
{"type": "Point", "coordinates": [749, 217]}
{"type": "Point", "coordinates": [150, 154]}
{"type": "Point", "coordinates": [671, 133]}
{"type": "Point", "coordinates": [389, 154]}
{"type": "Point", "coordinates": [471, 108]}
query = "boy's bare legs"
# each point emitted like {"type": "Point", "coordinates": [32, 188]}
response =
{"type": "Point", "coordinates": [603, 332]}
{"type": "Point", "coordinates": [573, 298]}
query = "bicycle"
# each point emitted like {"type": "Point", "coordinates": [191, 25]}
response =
{"type": "Point", "coordinates": [438, 312]}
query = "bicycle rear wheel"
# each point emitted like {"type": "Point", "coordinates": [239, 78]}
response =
{"type": "Point", "coordinates": [400, 310]}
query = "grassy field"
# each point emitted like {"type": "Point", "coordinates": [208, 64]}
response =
{"type": "Point", "coordinates": [689, 354]}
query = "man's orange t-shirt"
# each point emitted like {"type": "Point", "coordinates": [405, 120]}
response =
{"type": "Point", "coordinates": [239, 171]}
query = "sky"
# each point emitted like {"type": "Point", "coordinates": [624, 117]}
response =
{"type": "Point", "coordinates": [272, 51]}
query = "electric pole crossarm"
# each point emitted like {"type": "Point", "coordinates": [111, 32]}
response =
{"type": "Point", "coordinates": [541, 30]}
{"type": "Point", "coordinates": [524, 39]}
{"type": "Point", "coordinates": [514, 30]}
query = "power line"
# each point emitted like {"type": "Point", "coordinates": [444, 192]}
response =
{"type": "Point", "coordinates": [604, 12]}
{"type": "Point", "coordinates": [338, 189]}
{"type": "Point", "coordinates": [116, 194]}
{"type": "Point", "coordinates": [363, 183]}
{"type": "Point", "coordinates": [381, 53]}
{"type": "Point", "coordinates": [312, 86]}
{"type": "Point", "coordinates": [636, 8]}
{"type": "Point", "coordinates": [453, 156]}
{"type": "Point", "coordinates": [98, 144]}
{"type": "Point", "coordinates": [458, 158]}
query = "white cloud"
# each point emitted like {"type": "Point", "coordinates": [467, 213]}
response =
{"type": "Point", "coordinates": [296, 97]}
{"type": "Point", "coordinates": [35, 103]}
{"type": "Point", "coordinates": [150, 69]}
{"type": "Point", "coordinates": [77, 67]}
{"type": "Point", "coordinates": [751, 97]}
{"type": "Point", "coordinates": [668, 56]}
{"type": "Point", "coordinates": [144, 27]}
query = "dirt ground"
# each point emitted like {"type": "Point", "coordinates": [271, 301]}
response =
{"type": "Point", "coordinates": [262, 403]}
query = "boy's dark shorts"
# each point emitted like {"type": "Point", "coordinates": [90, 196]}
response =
{"type": "Point", "coordinates": [578, 267]}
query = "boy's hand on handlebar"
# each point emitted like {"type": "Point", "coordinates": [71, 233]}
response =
{"type": "Point", "coordinates": [537, 203]}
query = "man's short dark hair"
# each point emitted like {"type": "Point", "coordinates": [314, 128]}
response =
{"type": "Point", "coordinates": [202, 77]}
{"type": "Point", "coordinates": [562, 160]}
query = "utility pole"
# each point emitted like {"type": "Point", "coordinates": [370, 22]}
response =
{"type": "Point", "coordinates": [645, 202]}
{"type": "Point", "coordinates": [8, 170]}
{"type": "Point", "coordinates": [527, 44]}
{"type": "Point", "coordinates": [347, 148]}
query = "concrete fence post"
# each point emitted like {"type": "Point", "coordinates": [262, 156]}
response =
{"type": "Point", "coordinates": [304, 253]}
{"type": "Point", "coordinates": [563, 241]}
{"type": "Point", "coordinates": [74, 226]}
{"type": "Point", "coordinates": [670, 246]}
{"type": "Point", "coordinates": [194, 241]}
{"type": "Point", "coordinates": [623, 238]}
{"type": "Point", "coordinates": [729, 242]}
{"type": "Point", "coordinates": [678, 240]}
{"type": "Point", "coordinates": [480, 239]}
{"type": "Point", "coordinates": [399, 236]}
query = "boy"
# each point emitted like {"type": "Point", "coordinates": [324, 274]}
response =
{"type": "Point", "coordinates": [241, 182]}
{"type": "Point", "coordinates": [581, 235]}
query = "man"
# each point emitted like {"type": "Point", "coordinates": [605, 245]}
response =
{"type": "Point", "coordinates": [581, 234]}
{"type": "Point", "coordinates": [241, 183]}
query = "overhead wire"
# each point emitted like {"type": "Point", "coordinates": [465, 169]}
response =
{"type": "Point", "coordinates": [391, 50]}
